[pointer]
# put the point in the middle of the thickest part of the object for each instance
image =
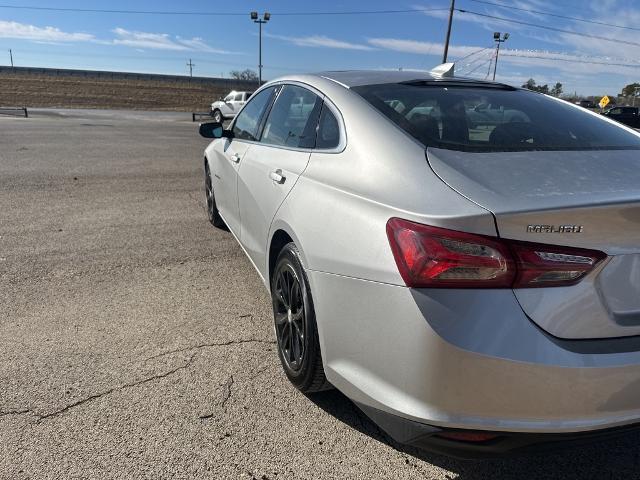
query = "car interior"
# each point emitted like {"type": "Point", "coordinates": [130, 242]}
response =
{"type": "Point", "coordinates": [490, 119]}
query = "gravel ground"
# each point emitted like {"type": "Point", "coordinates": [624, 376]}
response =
{"type": "Point", "coordinates": [136, 340]}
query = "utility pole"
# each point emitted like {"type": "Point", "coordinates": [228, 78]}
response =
{"type": "Point", "coordinates": [446, 42]}
{"type": "Point", "coordinates": [191, 65]}
{"type": "Point", "coordinates": [265, 18]}
{"type": "Point", "coordinates": [11, 57]}
{"type": "Point", "coordinates": [498, 40]}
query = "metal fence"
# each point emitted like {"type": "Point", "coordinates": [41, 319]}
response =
{"type": "Point", "coordinates": [15, 111]}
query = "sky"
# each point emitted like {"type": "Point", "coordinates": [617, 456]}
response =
{"type": "Point", "coordinates": [164, 43]}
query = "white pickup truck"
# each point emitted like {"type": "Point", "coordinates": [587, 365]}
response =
{"type": "Point", "coordinates": [229, 106]}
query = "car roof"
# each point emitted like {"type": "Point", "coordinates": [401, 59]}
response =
{"type": "Point", "coordinates": [355, 78]}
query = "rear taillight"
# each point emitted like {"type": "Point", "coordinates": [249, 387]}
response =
{"type": "Point", "coordinates": [551, 266]}
{"type": "Point", "coordinates": [436, 257]}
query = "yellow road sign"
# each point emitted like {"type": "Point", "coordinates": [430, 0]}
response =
{"type": "Point", "coordinates": [604, 101]}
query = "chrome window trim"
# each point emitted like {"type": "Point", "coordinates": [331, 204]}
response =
{"type": "Point", "coordinates": [342, 144]}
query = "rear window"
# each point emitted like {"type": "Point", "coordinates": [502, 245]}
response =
{"type": "Point", "coordinates": [492, 119]}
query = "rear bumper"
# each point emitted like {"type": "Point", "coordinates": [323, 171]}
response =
{"type": "Point", "coordinates": [504, 444]}
{"type": "Point", "coordinates": [467, 359]}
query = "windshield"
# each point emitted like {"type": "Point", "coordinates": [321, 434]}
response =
{"type": "Point", "coordinates": [492, 119]}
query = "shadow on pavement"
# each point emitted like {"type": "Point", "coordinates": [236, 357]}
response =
{"type": "Point", "coordinates": [610, 458]}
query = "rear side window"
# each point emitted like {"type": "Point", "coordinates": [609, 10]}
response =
{"type": "Point", "coordinates": [328, 130]}
{"type": "Point", "coordinates": [485, 118]}
{"type": "Point", "coordinates": [248, 121]}
{"type": "Point", "coordinates": [293, 118]}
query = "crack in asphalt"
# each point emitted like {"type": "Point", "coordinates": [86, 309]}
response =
{"type": "Point", "coordinates": [187, 364]}
{"type": "Point", "coordinates": [14, 412]}
{"type": "Point", "coordinates": [227, 393]}
{"type": "Point", "coordinates": [210, 345]}
{"type": "Point", "coordinates": [115, 389]}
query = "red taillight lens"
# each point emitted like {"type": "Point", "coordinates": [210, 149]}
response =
{"type": "Point", "coordinates": [552, 266]}
{"type": "Point", "coordinates": [436, 257]}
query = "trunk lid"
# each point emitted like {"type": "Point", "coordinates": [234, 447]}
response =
{"type": "Point", "coordinates": [588, 199]}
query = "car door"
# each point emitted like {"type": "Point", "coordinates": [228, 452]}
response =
{"type": "Point", "coordinates": [227, 105]}
{"type": "Point", "coordinates": [228, 155]}
{"type": "Point", "coordinates": [615, 114]}
{"type": "Point", "coordinates": [270, 170]}
{"type": "Point", "coordinates": [628, 116]}
{"type": "Point", "coordinates": [237, 103]}
{"type": "Point", "coordinates": [244, 98]}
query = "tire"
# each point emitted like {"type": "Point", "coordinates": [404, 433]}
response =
{"type": "Point", "coordinates": [295, 323]}
{"type": "Point", "coordinates": [212, 209]}
{"type": "Point", "coordinates": [217, 116]}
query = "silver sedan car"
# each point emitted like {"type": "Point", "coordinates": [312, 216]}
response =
{"type": "Point", "coordinates": [473, 287]}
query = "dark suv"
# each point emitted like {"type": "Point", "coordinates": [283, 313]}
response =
{"type": "Point", "coordinates": [627, 115]}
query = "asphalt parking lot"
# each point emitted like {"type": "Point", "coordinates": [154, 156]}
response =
{"type": "Point", "coordinates": [136, 340]}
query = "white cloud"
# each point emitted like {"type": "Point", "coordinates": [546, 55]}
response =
{"type": "Point", "coordinates": [320, 41]}
{"type": "Point", "coordinates": [574, 65]}
{"type": "Point", "coordinates": [625, 16]}
{"type": "Point", "coordinates": [23, 31]}
{"type": "Point", "coordinates": [161, 41]}
{"type": "Point", "coordinates": [419, 47]}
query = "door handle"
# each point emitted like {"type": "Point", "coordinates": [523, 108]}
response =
{"type": "Point", "coordinates": [277, 176]}
{"type": "Point", "coordinates": [235, 158]}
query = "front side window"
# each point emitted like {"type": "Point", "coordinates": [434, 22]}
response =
{"type": "Point", "coordinates": [238, 97]}
{"type": "Point", "coordinates": [487, 118]}
{"type": "Point", "coordinates": [293, 119]}
{"type": "Point", "coordinates": [248, 121]}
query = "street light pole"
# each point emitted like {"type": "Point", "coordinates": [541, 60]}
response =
{"type": "Point", "coordinates": [498, 40]}
{"type": "Point", "coordinates": [446, 43]}
{"type": "Point", "coordinates": [265, 18]}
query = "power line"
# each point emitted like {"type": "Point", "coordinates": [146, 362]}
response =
{"type": "Point", "coordinates": [218, 14]}
{"type": "Point", "coordinates": [556, 15]}
{"type": "Point", "coordinates": [361, 12]}
{"type": "Point", "coordinates": [593, 62]}
{"type": "Point", "coordinates": [473, 53]}
{"type": "Point", "coordinates": [478, 66]}
{"type": "Point", "coordinates": [482, 59]}
{"type": "Point", "coordinates": [545, 27]}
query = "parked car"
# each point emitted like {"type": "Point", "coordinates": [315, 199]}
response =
{"type": "Point", "coordinates": [627, 115]}
{"type": "Point", "coordinates": [492, 115]}
{"type": "Point", "coordinates": [229, 106]}
{"type": "Point", "coordinates": [586, 103]}
{"type": "Point", "coordinates": [473, 295]}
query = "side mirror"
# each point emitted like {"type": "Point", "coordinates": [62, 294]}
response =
{"type": "Point", "coordinates": [214, 130]}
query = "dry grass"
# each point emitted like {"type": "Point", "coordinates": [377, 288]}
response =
{"type": "Point", "coordinates": [29, 90]}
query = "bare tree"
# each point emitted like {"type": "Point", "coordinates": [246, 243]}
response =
{"type": "Point", "coordinates": [247, 74]}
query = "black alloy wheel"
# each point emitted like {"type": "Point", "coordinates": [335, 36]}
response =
{"type": "Point", "coordinates": [295, 323]}
{"type": "Point", "coordinates": [289, 316]}
{"type": "Point", "coordinates": [212, 209]}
